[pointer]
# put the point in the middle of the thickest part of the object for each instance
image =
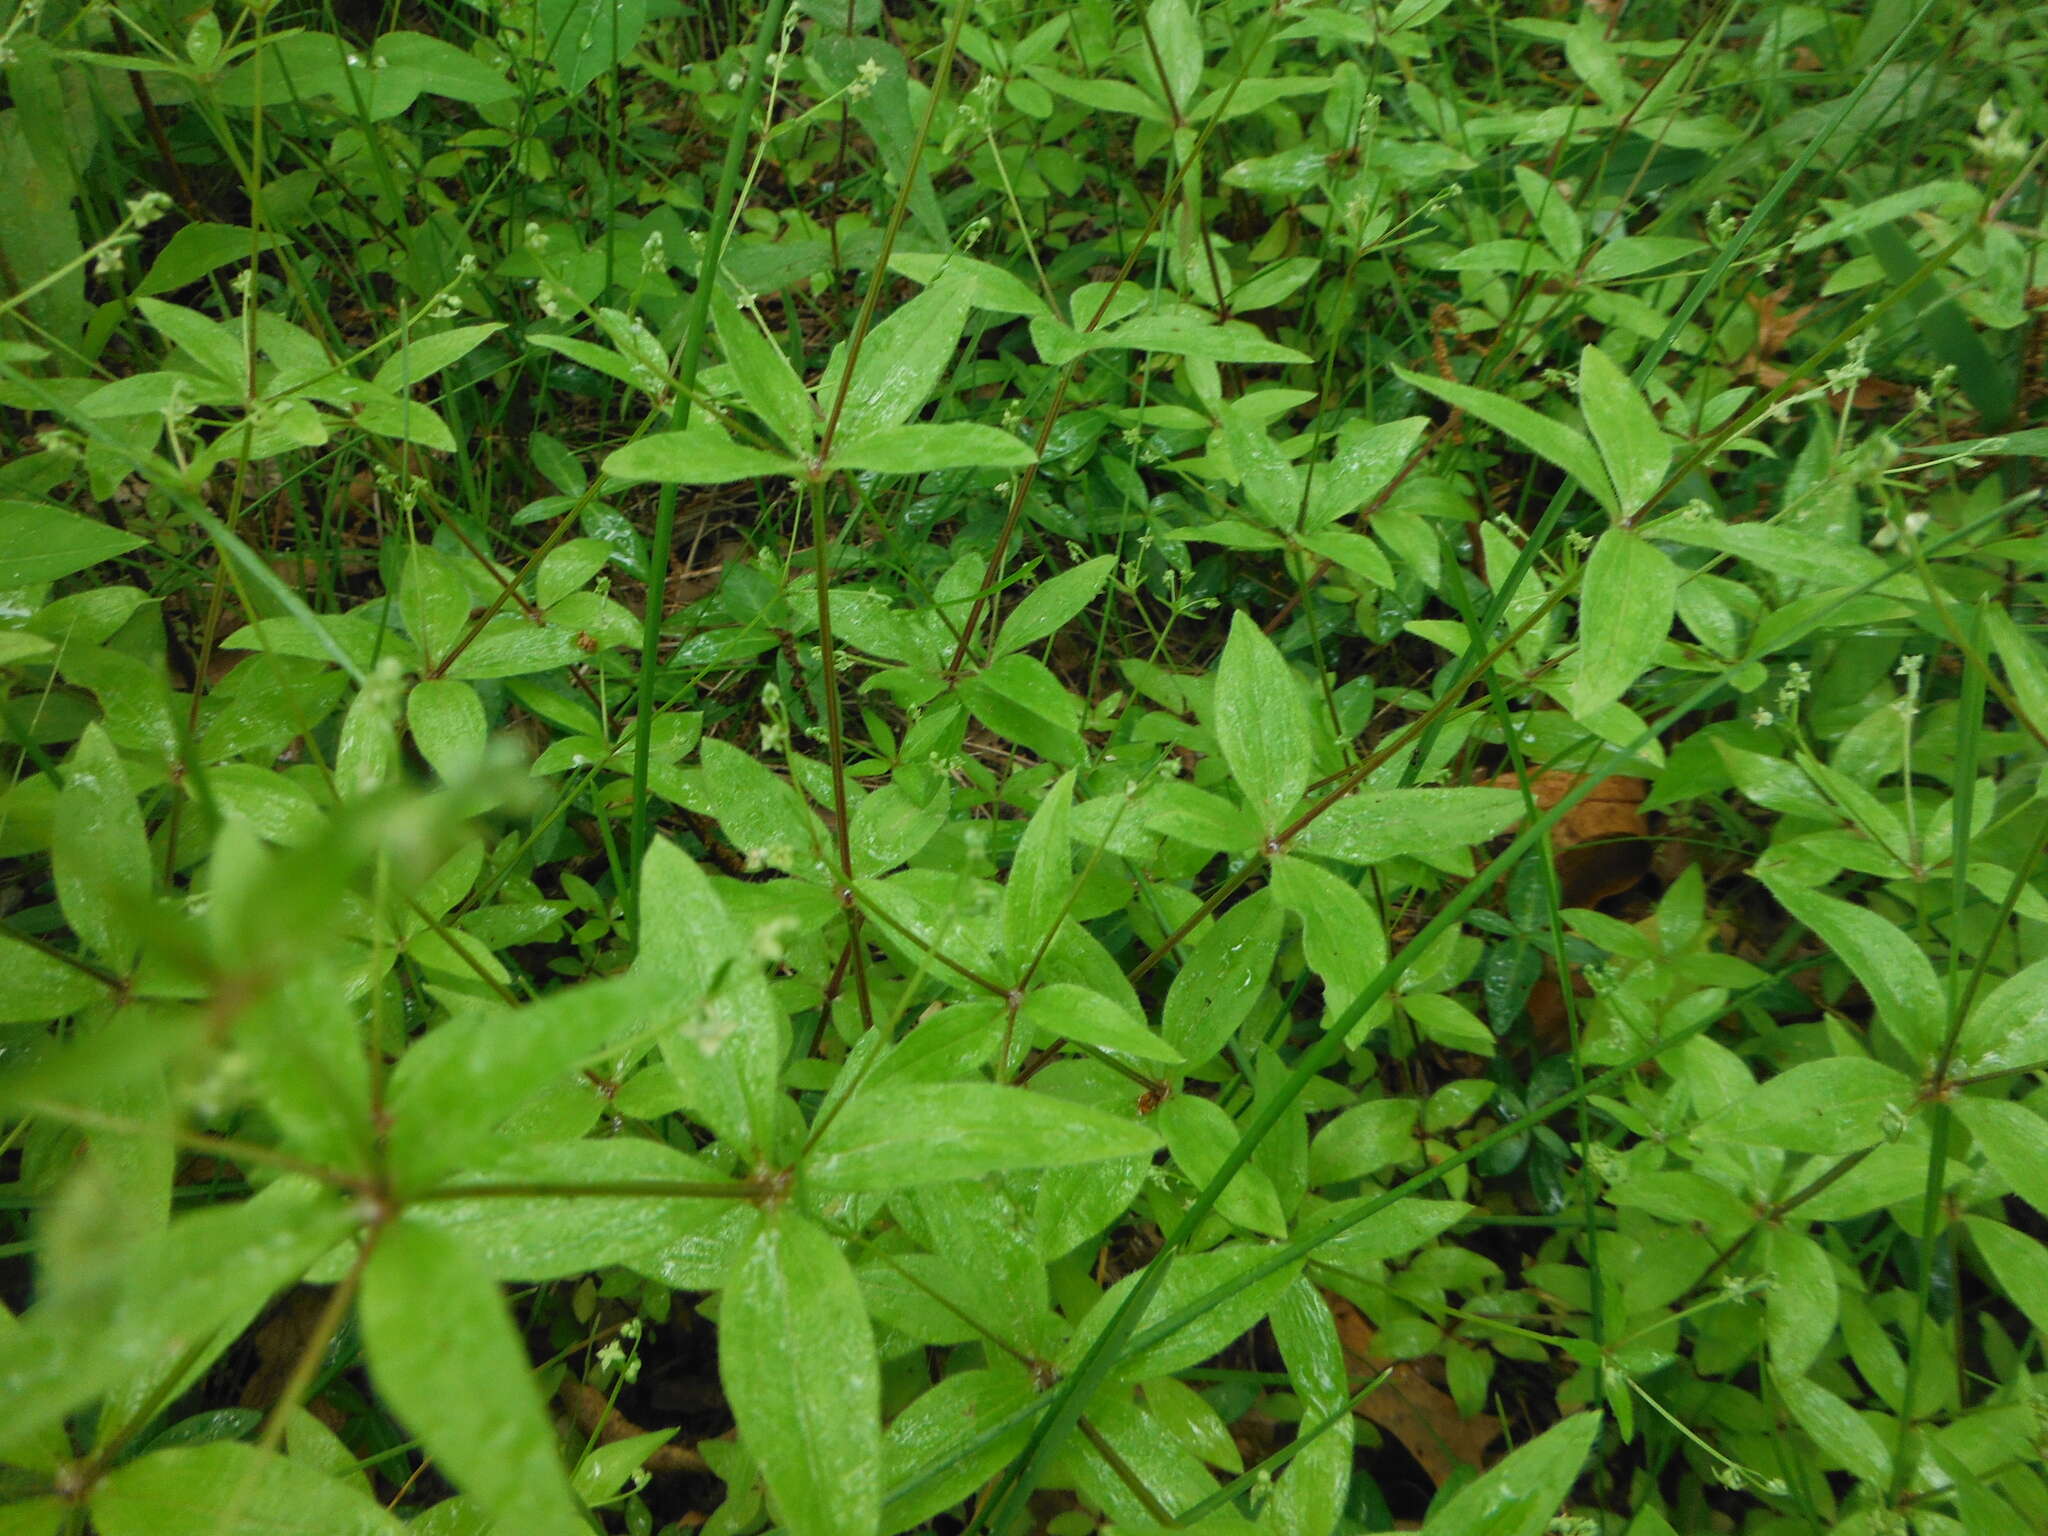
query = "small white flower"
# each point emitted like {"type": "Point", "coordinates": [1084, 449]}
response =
{"type": "Point", "coordinates": [771, 939]}
{"type": "Point", "coordinates": [148, 208]}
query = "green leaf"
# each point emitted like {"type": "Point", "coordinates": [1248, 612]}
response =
{"type": "Point", "coordinates": [447, 723]}
{"type": "Point", "coordinates": [206, 1275]}
{"type": "Point", "coordinates": [767, 381]}
{"type": "Point", "coordinates": [1563, 446]}
{"type": "Point", "coordinates": [934, 910]}
{"type": "Point", "coordinates": [1895, 971]}
{"type": "Point", "coordinates": [441, 68]}
{"type": "Point", "coordinates": [1844, 1437]}
{"type": "Point", "coordinates": [900, 363]}
{"type": "Point", "coordinates": [1631, 589]}
{"type": "Point", "coordinates": [798, 1361]}
{"type": "Point", "coordinates": [1200, 818]}
{"type": "Point", "coordinates": [763, 814]}
{"type": "Point", "coordinates": [722, 1033]}
{"type": "Point", "coordinates": [1187, 1416]}
{"type": "Point", "coordinates": [1364, 464]}
{"type": "Point", "coordinates": [1271, 482]}
{"type": "Point", "coordinates": [1363, 1140]}
{"type": "Point", "coordinates": [1351, 552]}
{"type": "Point", "coordinates": [1397, 1232]}
{"type": "Point", "coordinates": [2018, 1263]}
{"type": "Point", "coordinates": [1635, 254]}
{"type": "Point", "coordinates": [2009, 1028]}
{"type": "Point", "coordinates": [40, 543]}
{"type": "Point", "coordinates": [1309, 1498]}
{"type": "Point", "coordinates": [897, 1134]}
{"type": "Point", "coordinates": [231, 1489]}
{"type": "Point", "coordinates": [197, 249]}
{"type": "Point", "coordinates": [304, 1054]}
{"type": "Point", "coordinates": [989, 287]}
{"type": "Point", "coordinates": [35, 988]}
{"type": "Point", "coordinates": [1552, 210]}
{"type": "Point", "coordinates": [1788, 554]}
{"type": "Point", "coordinates": [1064, 1010]}
{"type": "Point", "coordinates": [1104, 95]}
{"type": "Point", "coordinates": [1521, 1493]}
{"type": "Point", "coordinates": [934, 1455]}
{"type": "Point", "coordinates": [1373, 826]}
{"type": "Point", "coordinates": [2014, 1141]}
{"type": "Point", "coordinates": [700, 454]}
{"type": "Point", "coordinates": [1987, 381]}
{"type": "Point", "coordinates": [444, 1354]}
{"type": "Point", "coordinates": [355, 641]}
{"type": "Point", "coordinates": [1018, 698]}
{"type": "Point", "coordinates": [2026, 664]}
{"type": "Point", "coordinates": [605, 1468]}
{"type": "Point", "coordinates": [17, 646]}
{"type": "Point", "coordinates": [587, 39]}
{"type": "Point", "coordinates": [631, 372]}
{"type": "Point", "coordinates": [551, 1237]}
{"type": "Point", "coordinates": [1190, 333]}
{"type": "Point", "coordinates": [918, 449]}
{"type": "Point", "coordinates": [39, 1515]}
{"type": "Point", "coordinates": [1223, 978]}
{"type": "Point", "coordinates": [1041, 879]}
{"type": "Point", "coordinates": [1220, 1272]}
{"type": "Point", "coordinates": [1803, 1302]}
{"type": "Point", "coordinates": [1633, 446]}
{"type": "Point", "coordinates": [421, 357]}
{"type": "Point", "coordinates": [889, 827]}
{"type": "Point", "coordinates": [39, 238]}
{"type": "Point", "coordinates": [215, 347]}
{"type": "Point", "coordinates": [883, 109]}
{"type": "Point", "coordinates": [1447, 1022]}
{"type": "Point", "coordinates": [136, 706]}
{"type": "Point", "coordinates": [1178, 37]}
{"type": "Point", "coordinates": [100, 853]}
{"type": "Point", "coordinates": [456, 1083]}
{"type": "Point", "coordinates": [1200, 1136]}
{"type": "Point", "coordinates": [1050, 605]}
{"type": "Point", "coordinates": [434, 599]}
{"type": "Point", "coordinates": [1261, 723]}
{"type": "Point", "coordinates": [1687, 1199]}
{"type": "Point", "coordinates": [512, 645]}
{"type": "Point", "coordinates": [1837, 1106]}
{"type": "Point", "coordinates": [1342, 939]}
